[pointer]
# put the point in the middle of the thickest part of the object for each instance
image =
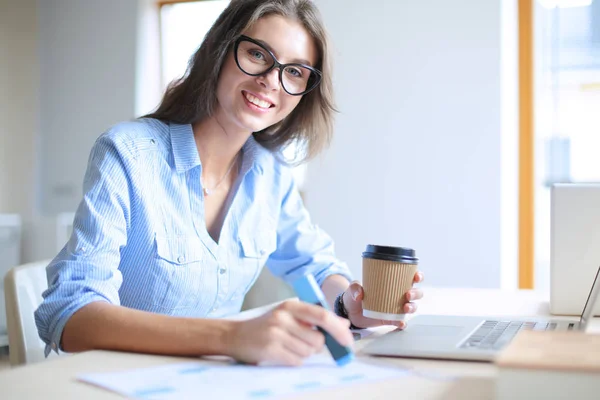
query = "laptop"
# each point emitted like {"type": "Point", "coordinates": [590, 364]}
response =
{"type": "Point", "coordinates": [469, 338]}
{"type": "Point", "coordinates": [574, 249]}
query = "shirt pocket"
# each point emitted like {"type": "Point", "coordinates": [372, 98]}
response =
{"type": "Point", "coordinates": [256, 249]}
{"type": "Point", "coordinates": [178, 278]}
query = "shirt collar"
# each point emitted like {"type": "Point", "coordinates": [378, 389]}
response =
{"type": "Point", "coordinates": [185, 152]}
{"type": "Point", "coordinates": [254, 155]}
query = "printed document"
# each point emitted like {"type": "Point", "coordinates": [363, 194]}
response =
{"type": "Point", "coordinates": [196, 379]}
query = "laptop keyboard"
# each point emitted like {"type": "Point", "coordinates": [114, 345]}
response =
{"type": "Point", "coordinates": [494, 335]}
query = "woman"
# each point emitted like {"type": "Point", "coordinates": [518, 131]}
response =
{"type": "Point", "coordinates": [182, 208]}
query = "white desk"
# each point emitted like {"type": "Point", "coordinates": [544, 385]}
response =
{"type": "Point", "coordinates": [55, 379]}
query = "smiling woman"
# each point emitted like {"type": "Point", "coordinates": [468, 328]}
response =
{"type": "Point", "coordinates": [182, 208]}
{"type": "Point", "coordinates": [314, 113]}
{"type": "Point", "coordinates": [183, 26]}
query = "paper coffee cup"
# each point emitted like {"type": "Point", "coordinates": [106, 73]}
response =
{"type": "Point", "coordinates": [388, 273]}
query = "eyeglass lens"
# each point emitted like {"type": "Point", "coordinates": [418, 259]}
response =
{"type": "Point", "coordinates": [254, 59]}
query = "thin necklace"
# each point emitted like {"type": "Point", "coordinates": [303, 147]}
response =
{"type": "Point", "coordinates": [208, 191]}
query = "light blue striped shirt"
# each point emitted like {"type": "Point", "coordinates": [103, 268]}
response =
{"type": "Point", "coordinates": [140, 239]}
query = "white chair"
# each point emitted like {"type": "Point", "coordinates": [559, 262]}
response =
{"type": "Point", "coordinates": [10, 255]}
{"type": "Point", "coordinates": [23, 287]}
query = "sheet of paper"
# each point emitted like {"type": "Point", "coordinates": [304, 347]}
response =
{"type": "Point", "coordinates": [235, 381]}
{"type": "Point", "coordinates": [362, 333]}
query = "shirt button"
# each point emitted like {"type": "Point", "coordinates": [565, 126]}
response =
{"type": "Point", "coordinates": [180, 259]}
{"type": "Point", "coordinates": [262, 252]}
{"type": "Point", "coordinates": [222, 271]}
{"type": "Point", "coordinates": [53, 346]}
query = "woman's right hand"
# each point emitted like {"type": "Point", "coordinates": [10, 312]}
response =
{"type": "Point", "coordinates": [286, 334]}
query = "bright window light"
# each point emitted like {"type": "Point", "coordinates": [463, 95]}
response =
{"type": "Point", "coordinates": [183, 27]}
{"type": "Point", "coordinates": [565, 3]}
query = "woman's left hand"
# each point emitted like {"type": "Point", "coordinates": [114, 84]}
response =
{"type": "Point", "coordinates": [353, 298]}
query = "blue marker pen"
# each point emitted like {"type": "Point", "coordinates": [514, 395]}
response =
{"type": "Point", "coordinates": [309, 291]}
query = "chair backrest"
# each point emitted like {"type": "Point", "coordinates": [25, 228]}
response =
{"type": "Point", "coordinates": [10, 255]}
{"type": "Point", "coordinates": [23, 287]}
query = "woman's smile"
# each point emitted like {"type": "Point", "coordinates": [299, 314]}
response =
{"type": "Point", "coordinates": [256, 103]}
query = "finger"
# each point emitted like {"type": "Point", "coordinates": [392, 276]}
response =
{"type": "Point", "coordinates": [398, 324]}
{"type": "Point", "coordinates": [410, 308]}
{"type": "Point", "coordinates": [315, 315]}
{"type": "Point", "coordinates": [356, 291]}
{"type": "Point", "coordinates": [299, 348]}
{"type": "Point", "coordinates": [281, 355]}
{"type": "Point", "coordinates": [304, 332]}
{"type": "Point", "coordinates": [414, 294]}
{"type": "Point", "coordinates": [287, 346]}
{"type": "Point", "coordinates": [301, 330]}
{"type": "Point", "coordinates": [419, 277]}
{"type": "Point", "coordinates": [364, 322]}
{"type": "Point", "coordinates": [310, 314]}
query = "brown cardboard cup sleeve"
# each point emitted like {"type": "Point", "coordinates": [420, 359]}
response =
{"type": "Point", "coordinates": [388, 273]}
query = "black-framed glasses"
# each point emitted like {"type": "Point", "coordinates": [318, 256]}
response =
{"type": "Point", "coordinates": [254, 59]}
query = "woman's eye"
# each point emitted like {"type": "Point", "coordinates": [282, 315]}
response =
{"type": "Point", "coordinates": [294, 72]}
{"type": "Point", "coordinates": [257, 55]}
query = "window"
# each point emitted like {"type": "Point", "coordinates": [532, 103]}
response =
{"type": "Point", "coordinates": [183, 27]}
{"type": "Point", "coordinates": [567, 97]}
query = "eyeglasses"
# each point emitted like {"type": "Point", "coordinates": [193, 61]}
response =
{"type": "Point", "coordinates": [254, 59]}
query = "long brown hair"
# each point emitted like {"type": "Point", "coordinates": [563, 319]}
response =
{"type": "Point", "coordinates": [193, 97]}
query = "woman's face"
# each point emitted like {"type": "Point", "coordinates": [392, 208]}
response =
{"type": "Point", "coordinates": [253, 103]}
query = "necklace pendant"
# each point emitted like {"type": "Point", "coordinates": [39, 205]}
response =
{"type": "Point", "coordinates": [211, 191]}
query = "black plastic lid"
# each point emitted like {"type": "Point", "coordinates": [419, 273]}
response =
{"type": "Point", "coordinates": [398, 254]}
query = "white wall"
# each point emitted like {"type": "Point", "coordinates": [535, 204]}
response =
{"type": "Point", "coordinates": [67, 72]}
{"type": "Point", "coordinates": [18, 104]}
{"type": "Point", "coordinates": [88, 83]}
{"type": "Point", "coordinates": [416, 159]}
{"type": "Point", "coordinates": [19, 98]}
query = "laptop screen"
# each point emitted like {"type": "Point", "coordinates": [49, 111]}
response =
{"type": "Point", "coordinates": [588, 309]}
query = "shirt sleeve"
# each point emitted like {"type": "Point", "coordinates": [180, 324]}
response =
{"type": "Point", "coordinates": [86, 269]}
{"type": "Point", "coordinates": [302, 247]}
